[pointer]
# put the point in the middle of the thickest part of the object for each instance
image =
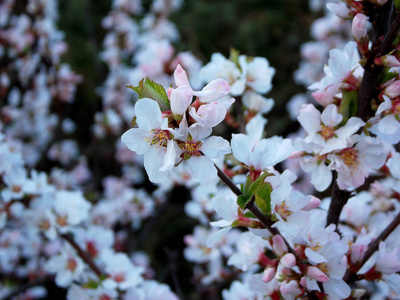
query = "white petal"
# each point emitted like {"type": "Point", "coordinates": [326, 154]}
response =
{"type": "Point", "coordinates": [388, 125]}
{"type": "Point", "coordinates": [242, 145]}
{"type": "Point", "coordinates": [330, 116]}
{"type": "Point", "coordinates": [215, 146]}
{"type": "Point", "coordinates": [136, 140]}
{"type": "Point", "coordinates": [202, 168]}
{"type": "Point", "coordinates": [148, 114]}
{"type": "Point", "coordinates": [216, 237]}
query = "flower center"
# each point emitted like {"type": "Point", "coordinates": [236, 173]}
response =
{"type": "Point", "coordinates": [327, 132]}
{"type": "Point", "coordinates": [71, 264]}
{"type": "Point", "coordinates": [158, 137]}
{"type": "Point", "coordinates": [349, 157]}
{"type": "Point", "coordinates": [324, 268]}
{"type": "Point", "coordinates": [283, 210]}
{"type": "Point", "coordinates": [192, 147]}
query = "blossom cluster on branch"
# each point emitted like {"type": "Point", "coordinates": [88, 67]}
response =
{"type": "Point", "coordinates": [266, 224]}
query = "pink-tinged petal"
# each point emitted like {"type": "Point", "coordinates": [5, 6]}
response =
{"type": "Point", "coordinates": [136, 140]}
{"type": "Point", "coordinates": [330, 116]}
{"type": "Point", "coordinates": [388, 125]}
{"type": "Point", "coordinates": [279, 245]}
{"type": "Point", "coordinates": [215, 146]}
{"type": "Point", "coordinates": [213, 91]}
{"type": "Point", "coordinates": [316, 274]}
{"type": "Point", "coordinates": [202, 168]}
{"type": "Point", "coordinates": [242, 145]}
{"type": "Point", "coordinates": [148, 114]}
{"type": "Point", "coordinates": [309, 118]}
{"type": "Point", "coordinates": [216, 237]}
{"type": "Point", "coordinates": [180, 76]}
{"type": "Point", "coordinates": [313, 203]}
{"type": "Point", "coordinates": [180, 99]}
{"type": "Point", "coordinates": [324, 98]}
{"type": "Point", "coordinates": [351, 127]}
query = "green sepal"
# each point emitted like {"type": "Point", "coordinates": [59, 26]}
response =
{"type": "Point", "coordinates": [242, 201]}
{"type": "Point", "coordinates": [235, 223]}
{"type": "Point", "coordinates": [133, 122]}
{"type": "Point", "coordinates": [234, 56]}
{"type": "Point", "coordinates": [91, 284]}
{"type": "Point", "coordinates": [177, 118]}
{"type": "Point", "coordinates": [348, 106]}
{"type": "Point", "coordinates": [263, 198]}
{"type": "Point", "coordinates": [386, 75]}
{"type": "Point", "coordinates": [249, 215]}
{"type": "Point", "coordinates": [150, 89]}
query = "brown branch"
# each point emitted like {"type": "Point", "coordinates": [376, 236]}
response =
{"type": "Point", "coordinates": [350, 275]}
{"type": "Point", "coordinates": [86, 258]}
{"type": "Point", "coordinates": [253, 208]}
{"type": "Point", "coordinates": [339, 200]}
{"type": "Point", "coordinates": [23, 288]}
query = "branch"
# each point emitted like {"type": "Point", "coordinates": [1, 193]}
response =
{"type": "Point", "coordinates": [254, 209]}
{"type": "Point", "coordinates": [350, 275]}
{"type": "Point", "coordinates": [86, 258]}
{"type": "Point", "coordinates": [23, 288]}
{"type": "Point", "coordinates": [339, 200]}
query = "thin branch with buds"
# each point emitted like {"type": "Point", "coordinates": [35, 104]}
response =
{"type": "Point", "coordinates": [253, 208]}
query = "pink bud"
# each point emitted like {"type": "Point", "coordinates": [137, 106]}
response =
{"type": "Point", "coordinates": [180, 99]}
{"type": "Point", "coordinates": [359, 27]}
{"type": "Point", "coordinates": [269, 274]}
{"type": "Point", "coordinates": [392, 90]}
{"type": "Point", "coordinates": [316, 274]}
{"type": "Point", "coordinates": [391, 61]}
{"type": "Point", "coordinates": [288, 261]}
{"type": "Point", "coordinates": [357, 252]}
{"type": "Point", "coordinates": [213, 91]}
{"type": "Point", "coordinates": [180, 76]}
{"type": "Point", "coordinates": [313, 203]}
{"type": "Point", "coordinates": [324, 98]}
{"type": "Point", "coordinates": [303, 281]}
{"type": "Point", "coordinates": [279, 246]}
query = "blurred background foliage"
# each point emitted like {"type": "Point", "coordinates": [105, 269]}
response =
{"type": "Point", "coordinates": [274, 29]}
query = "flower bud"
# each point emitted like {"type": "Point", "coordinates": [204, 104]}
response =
{"type": "Point", "coordinates": [180, 76]}
{"type": "Point", "coordinates": [269, 274]}
{"type": "Point", "coordinates": [288, 261]}
{"type": "Point", "coordinates": [392, 90]}
{"type": "Point", "coordinates": [316, 274]}
{"type": "Point", "coordinates": [313, 203]}
{"type": "Point", "coordinates": [359, 27]}
{"type": "Point", "coordinates": [279, 246]}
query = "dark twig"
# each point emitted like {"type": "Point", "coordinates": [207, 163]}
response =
{"type": "Point", "coordinates": [86, 258]}
{"type": "Point", "coordinates": [23, 288]}
{"type": "Point", "coordinates": [339, 200]}
{"type": "Point", "coordinates": [253, 208]}
{"type": "Point", "coordinates": [350, 275]}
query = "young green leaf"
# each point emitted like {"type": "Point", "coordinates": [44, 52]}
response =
{"type": "Point", "coordinates": [150, 89]}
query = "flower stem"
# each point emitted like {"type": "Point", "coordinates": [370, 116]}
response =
{"type": "Point", "coordinates": [86, 258]}
{"type": "Point", "coordinates": [350, 275]}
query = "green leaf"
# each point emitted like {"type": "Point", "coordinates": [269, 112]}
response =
{"type": "Point", "coordinates": [249, 215]}
{"type": "Point", "coordinates": [348, 106]}
{"type": "Point", "coordinates": [150, 89]}
{"type": "Point", "coordinates": [254, 187]}
{"type": "Point", "coordinates": [242, 201]}
{"type": "Point", "coordinates": [263, 198]}
{"type": "Point", "coordinates": [386, 76]}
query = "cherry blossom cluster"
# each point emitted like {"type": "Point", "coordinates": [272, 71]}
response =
{"type": "Point", "coordinates": [297, 245]}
